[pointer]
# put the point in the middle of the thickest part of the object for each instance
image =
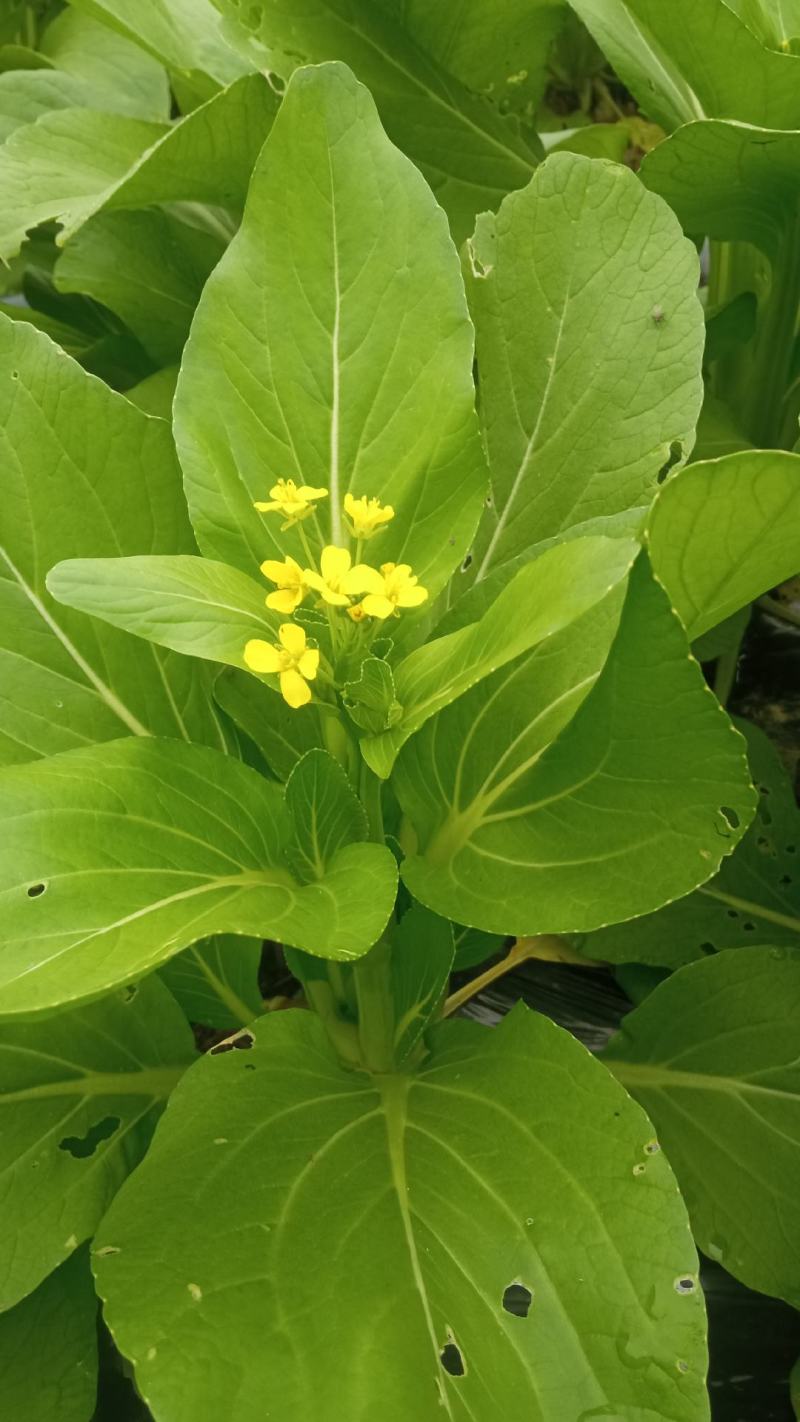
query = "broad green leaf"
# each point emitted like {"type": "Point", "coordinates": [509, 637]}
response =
{"type": "Point", "coordinates": [143, 847]}
{"type": "Point", "coordinates": [711, 1055]}
{"type": "Point", "coordinates": [473, 947]}
{"type": "Point", "coordinates": [74, 341]}
{"type": "Point", "coordinates": [282, 734]}
{"type": "Point", "coordinates": [730, 326]}
{"type": "Point", "coordinates": [539, 808]}
{"type": "Point", "coordinates": [755, 897]}
{"type": "Point", "coordinates": [470, 154]}
{"type": "Point", "coordinates": [721, 533]}
{"type": "Point", "coordinates": [339, 353]}
{"type": "Point", "coordinates": [119, 75]}
{"type": "Point", "coordinates": [191, 605]}
{"type": "Point", "coordinates": [216, 981]}
{"type": "Point", "coordinates": [685, 60]}
{"type": "Point", "coordinates": [154, 394]}
{"type": "Point", "coordinates": [48, 1349]}
{"type": "Point", "coordinates": [540, 600]}
{"type": "Point", "coordinates": [186, 35]}
{"type": "Point", "coordinates": [719, 431]}
{"type": "Point", "coordinates": [422, 960]}
{"type": "Point", "coordinates": [79, 1096]}
{"type": "Point", "coordinates": [326, 815]}
{"type": "Point", "coordinates": [729, 180]}
{"type": "Point", "coordinates": [71, 164]}
{"type": "Point", "coordinates": [27, 94]}
{"type": "Point", "coordinates": [590, 340]}
{"type": "Point", "coordinates": [149, 268]}
{"type": "Point", "coordinates": [500, 51]}
{"type": "Point", "coordinates": [83, 472]}
{"type": "Point", "coordinates": [507, 1161]}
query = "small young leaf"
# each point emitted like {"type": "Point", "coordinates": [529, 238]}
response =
{"type": "Point", "coordinates": [112, 1065]}
{"type": "Point", "coordinates": [371, 1227]}
{"type": "Point", "coordinates": [371, 702]}
{"type": "Point", "coordinates": [711, 1054]}
{"type": "Point", "coordinates": [326, 815]}
{"type": "Point", "coordinates": [422, 960]}
{"type": "Point", "coordinates": [48, 1349]}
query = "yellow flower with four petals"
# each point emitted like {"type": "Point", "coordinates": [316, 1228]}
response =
{"type": "Point", "coordinates": [295, 503]}
{"type": "Point", "coordinates": [294, 662]}
{"type": "Point", "coordinates": [366, 517]}
{"type": "Point", "coordinates": [337, 581]}
{"type": "Point", "coordinates": [291, 582]}
{"type": "Point", "coordinates": [395, 586]}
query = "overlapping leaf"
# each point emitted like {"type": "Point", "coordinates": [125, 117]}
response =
{"type": "Point", "coordinates": [186, 35]}
{"type": "Point", "coordinates": [686, 61]}
{"type": "Point", "coordinates": [711, 1054]}
{"type": "Point", "coordinates": [79, 1096]}
{"type": "Point", "coordinates": [119, 856]}
{"type": "Point", "coordinates": [216, 981]}
{"type": "Point", "coordinates": [589, 339]}
{"type": "Point", "coordinates": [755, 897]}
{"type": "Point", "coordinates": [339, 353]}
{"type": "Point", "coordinates": [552, 798]}
{"type": "Point", "coordinates": [290, 1141]}
{"type": "Point", "coordinates": [48, 1349]}
{"type": "Point", "coordinates": [471, 155]}
{"type": "Point", "coordinates": [84, 472]}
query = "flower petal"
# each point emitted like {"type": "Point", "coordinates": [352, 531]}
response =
{"type": "Point", "coordinates": [293, 638]}
{"type": "Point", "coordinates": [411, 596]}
{"type": "Point", "coordinates": [293, 689]}
{"type": "Point", "coordinates": [261, 656]}
{"type": "Point", "coordinates": [377, 605]}
{"type": "Point", "coordinates": [306, 492]}
{"type": "Point", "coordinates": [285, 600]}
{"type": "Point", "coordinates": [275, 571]}
{"type": "Point", "coordinates": [368, 579]}
{"type": "Point", "coordinates": [334, 563]}
{"type": "Point", "coordinates": [308, 664]}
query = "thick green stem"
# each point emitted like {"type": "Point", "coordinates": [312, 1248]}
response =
{"type": "Point", "coordinates": [370, 791]}
{"type": "Point", "coordinates": [342, 1034]}
{"type": "Point", "coordinates": [376, 1007]}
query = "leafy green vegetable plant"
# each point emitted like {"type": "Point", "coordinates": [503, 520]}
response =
{"type": "Point", "coordinates": [303, 642]}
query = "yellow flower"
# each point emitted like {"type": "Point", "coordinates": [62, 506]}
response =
{"type": "Point", "coordinates": [338, 582]}
{"type": "Point", "coordinates": [293, 502]}
{"type": "Point", "coordinates": [292, 586]}
{"type": "Point", "coordinates": [365, 516]}
{"type": "Point", "coordinates": [294, 662]}
{"type": "Point", "coordinates": [395, 586]}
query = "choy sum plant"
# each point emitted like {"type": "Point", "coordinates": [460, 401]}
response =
{"type": "Point", "coordinates": [382, 642]}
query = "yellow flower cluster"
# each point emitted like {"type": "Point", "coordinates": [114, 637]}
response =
{"type": "Point", "coordinates": [336, 583]}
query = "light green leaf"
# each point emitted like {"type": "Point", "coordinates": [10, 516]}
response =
{"type": "Point", "coordinates": [755, 897]}
{"type": "Point", "coordinates": [711, 1055]}
{"type": "Point", "coordinates": [84, 473]}
{"type": "Point", "coordinates": [186, 35]}
{"type": "Point", "coordinates": [500, 51]}
{"type": "Point", "coordinates": [48, 1349]}
{"type": "Point", "coordinates": [216, 981]}
{"type": "Point", "coordinates": [27, 94]}
{"type": "Point", "coordinates": [71, 164]}
{"type": "Point", "coordinates": [723, 532]}
{"type": "Point", "coordinates": [191, 605]}
{"type": "Point", "coordinates": [149, 268]}
{"type": "Point", "coordinates": [506, 1161]}
{"type": "Point", "coordinates": [371, 702]}
{"type": "Point", "coordinates": [729, 180]}
{"type": "Point", "coordinates": [118, 75]}
{"type": "Point", "coordinates": [549, 800]}
{"type": "Point", "coordinates": [541, 600]}
{"type": "Point", "coordinates": [422, 960]}
{"type": "Point", "coordinates": [774, 21]}
{"type": "Point", "coordinates": [470, 154]}
{"type": "Point", "coordinates": [326, 815]}
{"type": "Point", "coordinates": [282, 733]}
{"type": "Point", "coordinates": [590, 341]}
{"type": "Point", "coordinates": [145, 846]}
{"type": "Point", "coordinates": [685, 61]}
{"type": "Point", "coordinates": [79, 1096]}
{"type": "Point", "coordinates": [338, 354]}
{"type": "Point", "coordinates": [154, 394]}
